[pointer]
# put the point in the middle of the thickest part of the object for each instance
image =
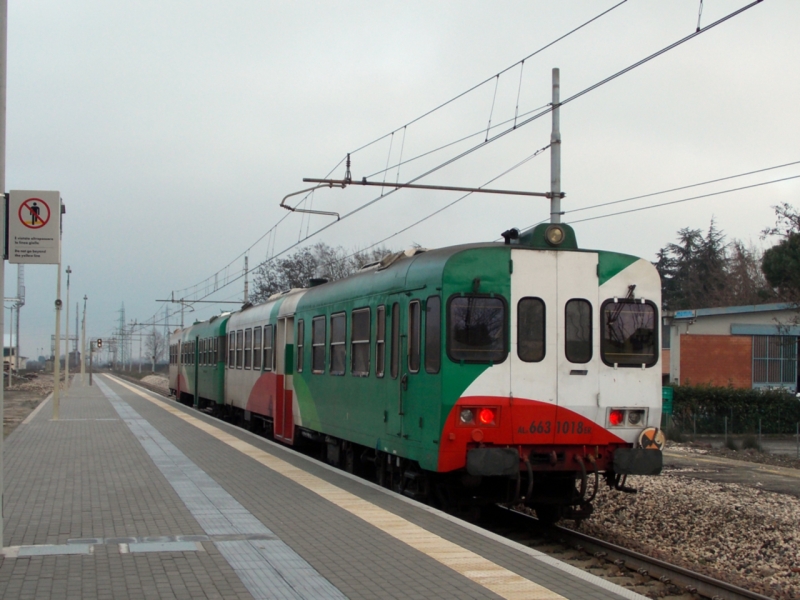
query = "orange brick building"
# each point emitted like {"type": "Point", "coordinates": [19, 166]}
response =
{"type": "Point", "coordinates": [739, 346]}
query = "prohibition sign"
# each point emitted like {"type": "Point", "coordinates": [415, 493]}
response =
{"type": "Point", "coordinates": [37, 213]}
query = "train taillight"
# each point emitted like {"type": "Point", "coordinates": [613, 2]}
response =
{"type": "Point", "coordinates": [616, 417]}
{"type": "Point", "coordinates": [486, 416]}
{"type": "Point", "coordinates": [478, 416]}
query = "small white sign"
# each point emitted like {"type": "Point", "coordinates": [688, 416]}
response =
{"type": "Point", "coordinates": [34, 227]}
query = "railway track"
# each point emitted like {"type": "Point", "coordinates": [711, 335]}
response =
{"type": "Point", "coordinates": [649, 576]}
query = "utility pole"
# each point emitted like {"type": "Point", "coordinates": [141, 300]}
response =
{"type": "Point", "coordinates": [3, 58]}
{"type": "Point", "coordinates": [83, 341]}
{"type": "Point", "coordinates": [66, 362]}
{"type": "Point", "coordinates": [555, 153]}
{"type": "Point", "coordinates": [246, 286]}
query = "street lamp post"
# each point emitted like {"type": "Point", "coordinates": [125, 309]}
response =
{"type": "Point", "coordinates": [66, 362]}
{"type": "Point", "coordinates": [83, 341]}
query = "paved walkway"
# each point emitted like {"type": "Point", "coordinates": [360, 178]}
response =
{"type": "Point", "coordinates": [129, 495]}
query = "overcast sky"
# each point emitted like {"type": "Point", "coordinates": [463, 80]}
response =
{"type": "Point", "coordinates": [173, 129]}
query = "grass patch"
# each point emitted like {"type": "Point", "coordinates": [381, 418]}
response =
{"type": "Point", "coordinates": [750, 442]}
{"type": "Point", "coordinates": [731, 444]}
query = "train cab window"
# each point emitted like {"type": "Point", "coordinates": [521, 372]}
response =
{"type": "Point", "coordinates": [380, 340]}
{"type": "Point", "coordinates": [433, 334]}
{"type": "Point", "coordinates": [338, 348]}
{"type": "Point", "coordinates": [359, 342]}
{"type": "Point", "coordinates": [530, 329]}
{"type": "Point", "coordinates": [239, 348]}
{"type": "Point", "coordinates": [231, 350]}
{"type": "Point", "coordinates": [629, 337]}
{"type": "Point", "coordinates": [257, 348]}
{"type": "Point", "coordinates": [578, 331]}
{"type": "Point", "coordinates": [476, 329]}
{"type": "Point", "coordinates": [269, 347]}
{"type": "Point", "coordinates": [301, 330]}
{"type": "Point", "coordinates": [395, 342]}
{"type": "Point", "coordinates": [414, 315]}
{"type": "Point", "coordinates": [318, 345]}
{"type": "Point", "coordinates": [248, 348]}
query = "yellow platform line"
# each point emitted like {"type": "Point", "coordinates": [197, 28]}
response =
{"type": "Point", "coordinates": [482, 571]}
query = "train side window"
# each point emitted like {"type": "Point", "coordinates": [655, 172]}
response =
{"type": "Point", "coordinates": [433, 334]}
{"type": "Point", "coordinates": [257, 348]}
{"type": "Point", "coordinates": [578, 331]}
{"type": "Point", "coordinates": [530, 329]}
{"type": "Point", "coordinates": [414, 314]}
{"type": "Point", "coordinates": [338, 348]}
{"type": "Point", "coordinates": [395, 358]}
{"type": "Point", "coordinates": [231, 349]}
{"type": "Point", "coordinates": [239, 347]}
{"type": "Point", "coordinates": [269, 347]}
{"type": "Point", "coordinates": [219, 354]}
{"type": "Point", "coordinates": [318, 345]}
{"type": "Point", "coordinates": [359, 342]}
{"type": "Point", "coordinates": [248, 347]}
{"type": "Point", "coordinates": [628, 334]}
{"type": "Point", "coordinates": [476, 329]}
{"type": "Point", "coordinates": [380, 341]}
{"type": "Point", "coordinates": [301, 329]}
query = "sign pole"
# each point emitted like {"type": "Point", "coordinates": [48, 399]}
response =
{"type": "Point", "coordinates": [57, 362]}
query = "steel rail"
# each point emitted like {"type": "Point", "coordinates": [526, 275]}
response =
{"type": "Point", "coordinates": [669, 574]}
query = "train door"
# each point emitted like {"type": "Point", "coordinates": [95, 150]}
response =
{"type": "Point", "coordinates": [413, 391]}
{"type": "Point", "coordinates": [397, 378]}
{"type": "Point", "coordinates": [578, 359]}
{"type": "Point", "coordinates": [284, 400]}
{"type": "Point", "coordinates": [534, 350]}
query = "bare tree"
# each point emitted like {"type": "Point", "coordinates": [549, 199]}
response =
{"type": "Point", "coordinates": [317, 261]}
{"type": "Point", "coordinates": [155, 345]}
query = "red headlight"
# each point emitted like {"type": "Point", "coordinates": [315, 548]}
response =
{"type": "Point", "coordinates": [486, 416]}
{"type": "Point", "coordinates": [616, 417]}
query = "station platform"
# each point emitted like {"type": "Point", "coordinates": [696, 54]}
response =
{"type": "Point", "coordinates": [131, 495]}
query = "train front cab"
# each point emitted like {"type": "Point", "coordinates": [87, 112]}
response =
{"type": "Point", "coordinates": [579, 385]}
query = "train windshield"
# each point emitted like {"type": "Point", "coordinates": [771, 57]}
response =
{"type": "Point", "coordinates": [629, 336]}
{"type": "Point", "coordinates": [476, 329]}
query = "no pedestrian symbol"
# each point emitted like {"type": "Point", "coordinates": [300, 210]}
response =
{"type": "Point", "coordinates": [34, 213]}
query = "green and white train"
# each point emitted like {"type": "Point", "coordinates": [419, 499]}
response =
{"type": "Point", "coordinates": [495, 372]}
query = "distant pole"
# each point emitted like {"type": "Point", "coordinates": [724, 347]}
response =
{"type": "Point", "coordinates": [91, 352]}
{"type": "Point", "coordinates": [246, 286]}
{"type": "Point", "coordinates": [66, 333]}
{"type": "Point", "coordinates": [3, 57]}
{"type": "Point", "coordinates": [83, 341]}
{"type": "Point", "coordinates": [555, 153]}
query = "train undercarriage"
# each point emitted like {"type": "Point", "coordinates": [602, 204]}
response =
{"type": "Point", "coordinates": [542, 481]}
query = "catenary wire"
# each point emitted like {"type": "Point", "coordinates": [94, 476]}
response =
{"type": "Point", "coordinates": [503, 133]}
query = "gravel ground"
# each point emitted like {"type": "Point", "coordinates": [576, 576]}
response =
{"type": "Point", "coordinates": [743, 535]}
{"type": "Point", "coordinates": [156, 380]}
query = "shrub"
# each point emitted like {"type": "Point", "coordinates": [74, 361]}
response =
{"type": "Point", "coordinates": [712, 409]}
{"type": "Point", "coordinates": [730, 444]}
{"type": "Point", "coordinates": [750, 442]}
